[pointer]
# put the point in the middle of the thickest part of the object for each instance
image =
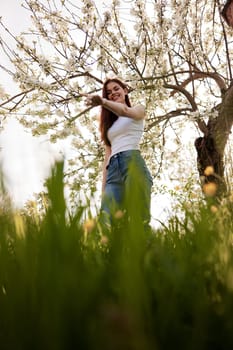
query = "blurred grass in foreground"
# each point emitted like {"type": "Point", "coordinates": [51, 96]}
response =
{"type": "Point", "coordinates": [65, 284]}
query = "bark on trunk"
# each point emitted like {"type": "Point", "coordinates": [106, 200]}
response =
{"type": "Point", "coordinates": [210, 164]}
{"type": "Point", "coordinates": [210, 148]}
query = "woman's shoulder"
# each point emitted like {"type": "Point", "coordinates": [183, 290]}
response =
{"type": "Point", "coordinates": [135, 112]}
{"type": "Point", "coordinates": [139, 106]}
{"type": "Point", "coordinates": [140, 110]}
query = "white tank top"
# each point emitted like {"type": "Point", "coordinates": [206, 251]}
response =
{"type": "Point", "coordinates": [125, 134]}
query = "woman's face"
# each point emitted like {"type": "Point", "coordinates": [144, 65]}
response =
{"type": "Point", "coordinates": [115, 92]}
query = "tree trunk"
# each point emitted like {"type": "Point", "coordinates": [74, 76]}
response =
{"type": "Point", "coordinates": [210, 165]}
{"type": "Point", "coordinates": [210, 148]}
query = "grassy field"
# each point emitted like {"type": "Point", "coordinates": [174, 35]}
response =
{"type": "Point", "coordinates": [66, 283]}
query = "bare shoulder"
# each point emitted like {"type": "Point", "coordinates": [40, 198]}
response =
{"type": "Point", "coordinates": [140, 111]}
{"type": "Point", "coordinates": [140, 107]}
{"type": "Point", "coordinates": [135, 112]}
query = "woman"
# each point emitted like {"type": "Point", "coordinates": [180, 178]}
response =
{"type": "Point", "coordinates": [124, 170]}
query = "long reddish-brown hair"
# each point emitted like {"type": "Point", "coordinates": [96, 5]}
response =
{"type": "Point", "coordinates": [107, 118]}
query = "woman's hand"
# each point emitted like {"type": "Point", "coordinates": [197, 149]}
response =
{"type": "Point", "coordinates": [93, 100]}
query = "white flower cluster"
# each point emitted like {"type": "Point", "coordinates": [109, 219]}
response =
{"type": "Point", "coordinates": [195, 116]}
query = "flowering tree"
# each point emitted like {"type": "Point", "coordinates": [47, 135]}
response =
{"type": "Point", "coordinates": [174, 54]}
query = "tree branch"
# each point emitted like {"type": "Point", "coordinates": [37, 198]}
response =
{"type": "Point", "coordinates": [24, 93]}
{"type": "Point", "coordinates": [185, 93]}
{"type": "Point", "coordinates": [169, 115]}
{"type": "Point", "coordinates": [199, 75]}
{"type": "Point", "coordinates": [21, 94]}
{"type": "Point", "coordinates": [201, 124]}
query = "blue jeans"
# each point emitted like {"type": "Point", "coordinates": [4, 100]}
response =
{"type": "Point", "coordinates": [128, 183]}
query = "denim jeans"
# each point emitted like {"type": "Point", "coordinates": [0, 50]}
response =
{"type": "Point", "coordinates": [128, 183]}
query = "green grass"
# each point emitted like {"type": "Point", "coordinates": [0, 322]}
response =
{"type": "Point", "coordinates": [65, 284]}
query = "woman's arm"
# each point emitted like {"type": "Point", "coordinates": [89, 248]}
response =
{"type": "Point", "coordinates": [120, 109]}
{"type": "Point", "coordinates": [105, 163]}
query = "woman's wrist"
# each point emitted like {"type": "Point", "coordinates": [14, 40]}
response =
{"type": "Point", "coordinates": [104, 100]}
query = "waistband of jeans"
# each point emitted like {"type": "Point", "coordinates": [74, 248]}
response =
{"type": "Point", "coordinates": [122, 154]}
{"type": "Point", "coordinates": [125, 153]}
